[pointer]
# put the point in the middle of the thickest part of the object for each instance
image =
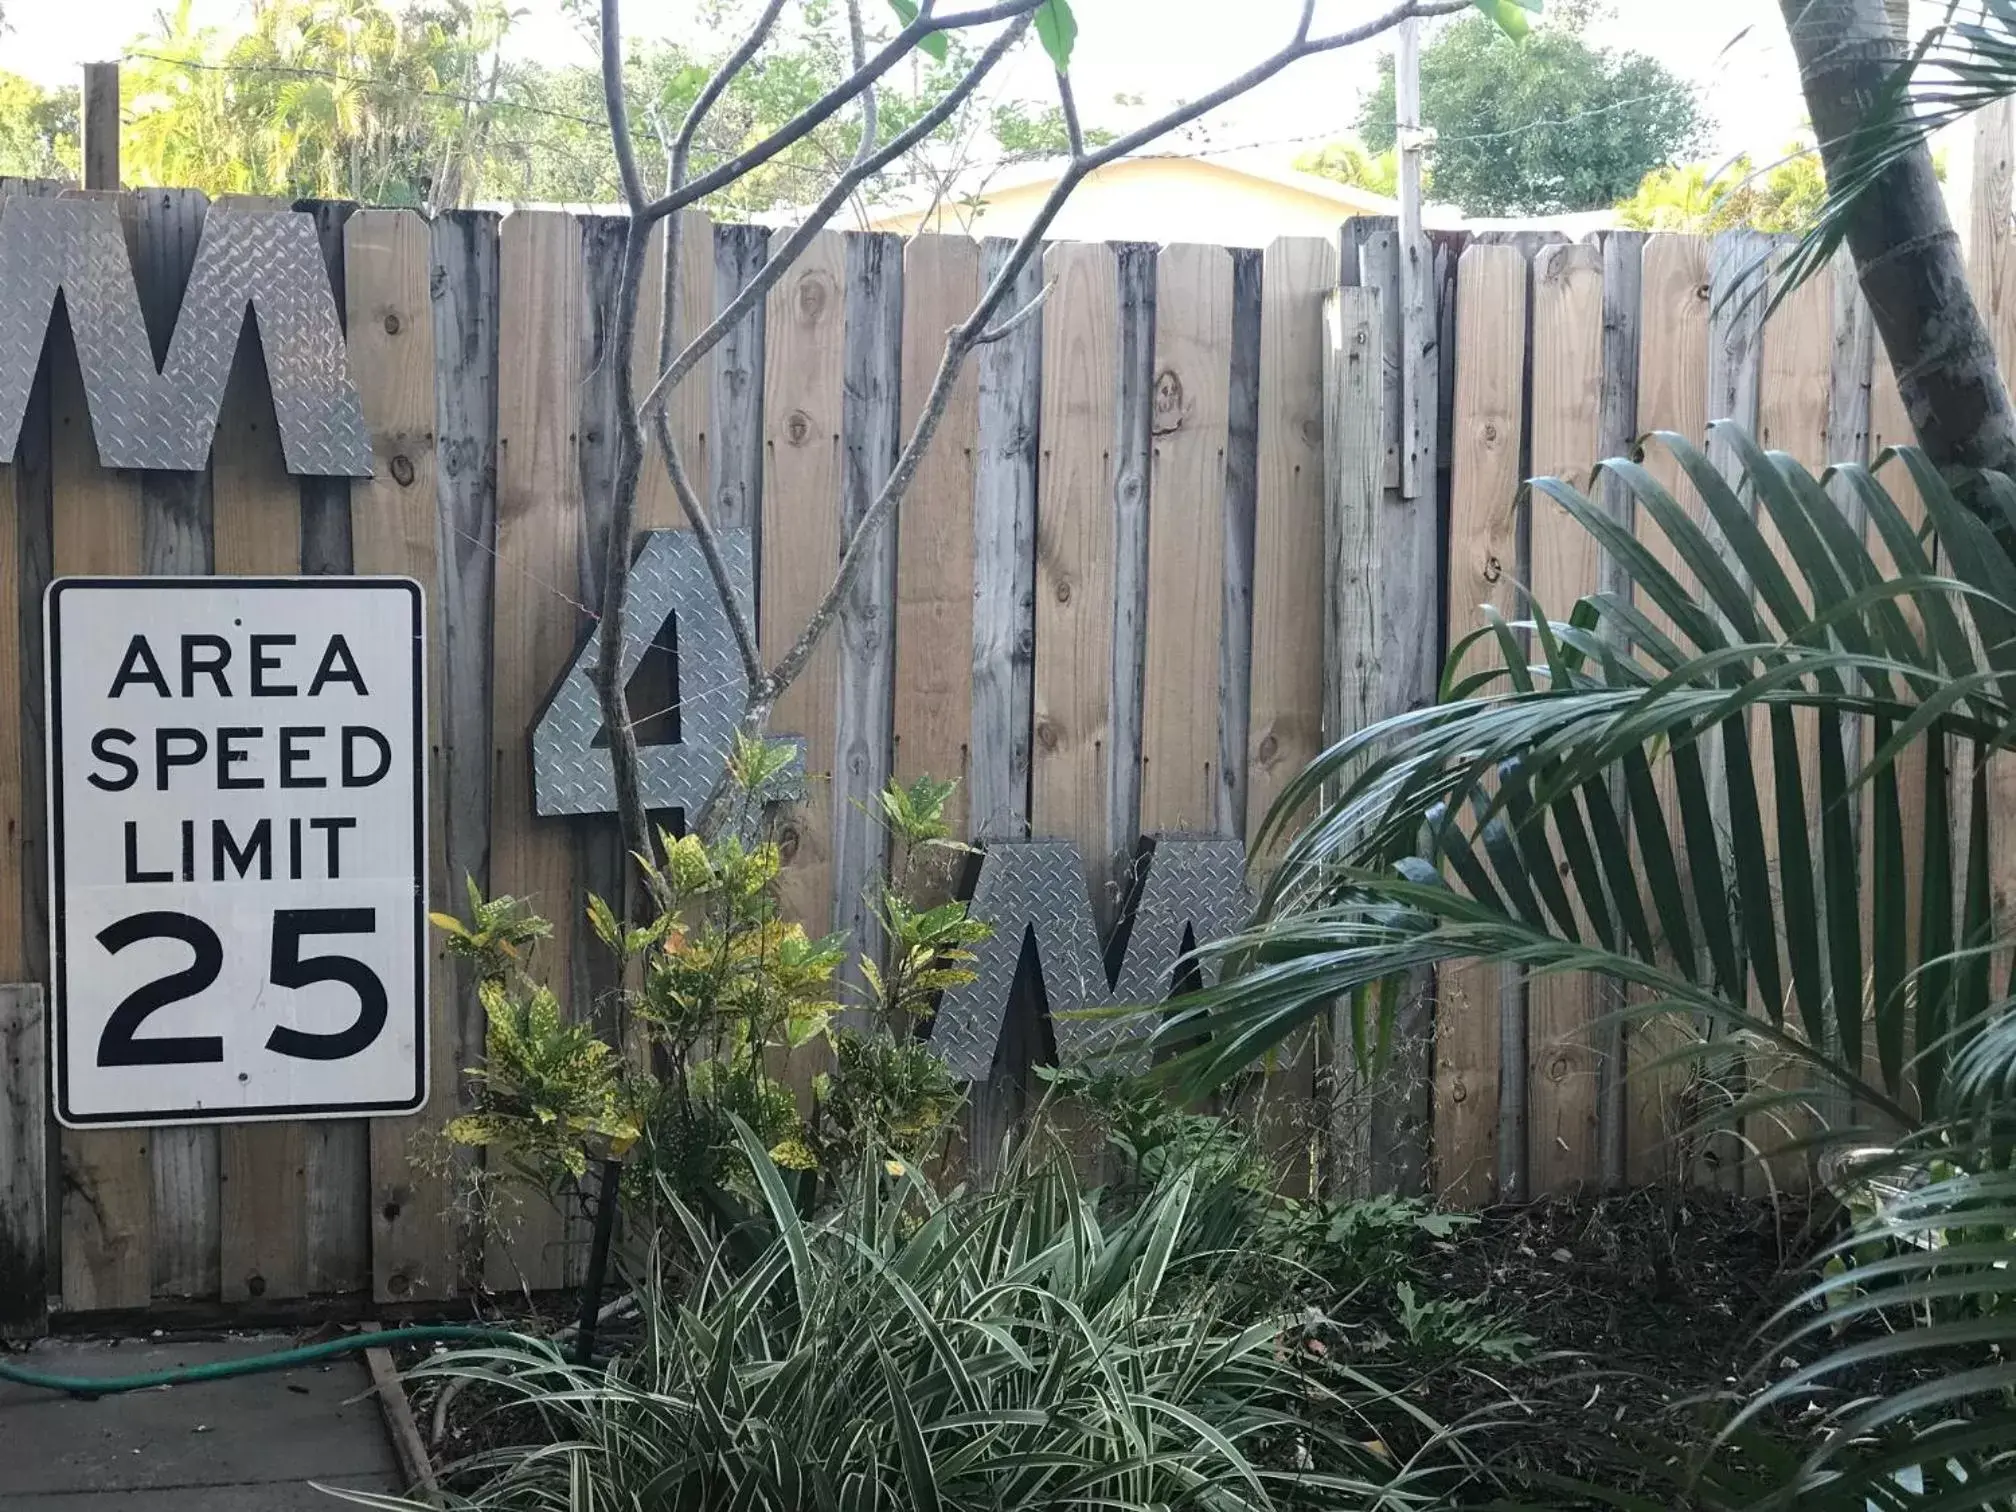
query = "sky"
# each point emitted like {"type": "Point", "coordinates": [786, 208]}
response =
{"type": "Point", "coordinates": [1161, 50]}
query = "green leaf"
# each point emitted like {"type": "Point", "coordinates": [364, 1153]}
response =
{"type": "Point", "coordinates": [932, 44]}
{"type": "Point", "coordinates": [1057, 30]}
{"type": "Point", "coordinates": [1509, 14]}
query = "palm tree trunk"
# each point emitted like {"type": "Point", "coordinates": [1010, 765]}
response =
{"type": "Point", "coordinates": [1906, 251]}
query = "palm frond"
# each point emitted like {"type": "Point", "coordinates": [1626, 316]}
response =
{"type": "Point", "coordinates": [1796, 708]}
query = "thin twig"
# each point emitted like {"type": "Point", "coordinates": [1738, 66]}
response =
{"type": "Point", "coordinates": [617, 106]}
{"type": "Point", "coordinates": [1073, 132]}
{"type": "Point", "coordinates": [704, 102]}
{"type": "Point", "coordinates": [815, 220]}
{"type": "Point", "coordinates": [1016, 321]}
{"type": "Point", "coordinates": [966, 335]}
{"type": "Point", "coordinates": [827, 106]}
{"type": "Point", "coordinates": [857, 39]}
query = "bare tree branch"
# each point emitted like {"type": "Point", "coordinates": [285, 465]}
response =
{"type": "Point", "coordinates": [703, 104]}
{"type": "Point", "coordinates": [1018, 320]}
{"type": "Point", "coordinates": [975, 330]}
{"type": "Point", "coordinates": [829, 105]}
{"type": "Point", "coordinates": [966, 335]}
{"type": "Point", "coordinates": [1073, 132]}
{"type": "Point", "coordinates": [816, 218]}
{"type": "Point", "coordinates": [857, 38]}
{"type": "Point", "coordinates": [617, 106]}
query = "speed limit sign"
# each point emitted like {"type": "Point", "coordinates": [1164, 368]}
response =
{"type": "Point", "coordinates": [238, 848]}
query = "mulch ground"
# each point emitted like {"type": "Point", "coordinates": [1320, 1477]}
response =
{"type": "Point", "coordinates": [1642, 1306]}
{"type": "Point", "coordinates": [1645, 1307]}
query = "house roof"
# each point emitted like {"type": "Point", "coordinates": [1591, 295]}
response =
{"type": "Point", "coordinates": [1043, 171]}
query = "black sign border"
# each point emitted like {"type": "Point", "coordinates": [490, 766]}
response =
{"type": "Point", "coordinates": [272, 1113]}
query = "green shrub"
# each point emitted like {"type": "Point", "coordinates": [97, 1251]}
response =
{"type": "Point", "coordinates": [718, 997]}
{"type": "Point", "coordinates": [1002, 1350]}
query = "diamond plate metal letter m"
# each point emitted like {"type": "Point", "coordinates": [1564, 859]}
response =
{"type": "Point", "coordinates": [1035, 890]}
{"type": "Point", "coordinates": [264, 260]}
{"type": "Point", "coordinates": [571, 770]}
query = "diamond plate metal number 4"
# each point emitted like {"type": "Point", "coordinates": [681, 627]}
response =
{"type": "Point", "coordinates": [571, 770]}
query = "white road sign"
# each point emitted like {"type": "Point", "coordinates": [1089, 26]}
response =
{"type": "Point", "coordinates": [238, 848]}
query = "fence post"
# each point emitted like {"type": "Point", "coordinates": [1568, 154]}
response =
{"type": "Point", "coordinates": [1354, 468]}
{"type": "Point", "coordinates": [24, 1193]}
{"type": "Point", "coordinates": [100, 113]}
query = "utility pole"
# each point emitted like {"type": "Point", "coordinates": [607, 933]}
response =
{"type": "Point", "coordinates": [1416, 309]}
{"type": "Point", "coordinates": [100, 114]}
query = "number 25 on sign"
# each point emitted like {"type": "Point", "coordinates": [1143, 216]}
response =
{"type": "Point", "coordinates": [238, 848]}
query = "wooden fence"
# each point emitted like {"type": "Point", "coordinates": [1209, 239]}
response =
{"type": "Point", "coordinates": [1121, 599]}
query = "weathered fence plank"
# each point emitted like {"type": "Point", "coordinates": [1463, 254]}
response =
{"type": "Point", "coordinates": [337, 1152]}
{"type": "Point", "coordinates": [25, 569]}
{"type": "Point", "coordinates": [1284, 573]}
{"type": "Point", "coordinates": [1075, 543]}
{"type": "Point", "coordinates": [1890, 425]}
{"type": "Point", "coordinates": [599, 866]}
{"type": "Point", "coordinates": [864, 724]}
{"type": "Point", "coordinates": [538, 621]}
{"type": "Point", "coordinates": [1737, 289]}
{"type": "Point", "coordinates": [1184, 624]}
{"type": "Point", "coordinates": [24, 1160]}
{"type": "Point", "coordinates": [463, 289]}
{"type": "Point", "coordinates": [27, 1237]}
{"type": "Point", "coordinates": [735, 453]}
{"type": "Point", "coordinates": [107, 1181]}
{"type": "Point", "coordinates": [1008, 406]}
{"type": "Point", "coordinates": [1285, 726]}
{"type": "Point", "coordinates": [1793, 409]}
{"type": "Point", "coordinates": [413, 1244]}
{"type": "Point", "coordinates": [1355, 394]}
{"type": "Point", "coordinates": [1672, 396]}
{"type": "Point", "coordinates": [175, 539]}
{"type": "Point", "coordinates": [1406, 652]}
{"type": "Point", "coordinates": [257, 507]}
{"type": "Point", "coordinates": [1991, 258]}
{"type": "Point", "coordinates": [1471, 1136]}
{"type": "Point", "coordinates": [1623, 296]}
{"type": "Point", "coordinates": [1242, 499]}
{"type": "Point", "coordinates": [1130, 465]}
{"type": "Point", "coordinates": [804, 370]}
{"type": "Point", "coordinates": [937, 528]}
{"type": "Point", "coordinates": [1566, 408]}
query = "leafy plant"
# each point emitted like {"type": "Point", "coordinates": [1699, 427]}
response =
{"type": "Point", "coordinates": [1358, 1242]}
{"type": "Point", "coordinates": [1004, 1349]}
{"type": "Point", "coordinates": [718, 994]}
{"type": "Point", "coordinates": [1453, 1327]}
{"type": "Point", "coordinates": [1156, 1137]}
{"type": "Point", "coordinates": [1486, 828]}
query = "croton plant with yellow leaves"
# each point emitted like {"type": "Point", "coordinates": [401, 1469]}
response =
{"type": "Point", "coordinates": [722, 1010]}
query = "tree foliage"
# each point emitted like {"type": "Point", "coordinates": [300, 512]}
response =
{"type": "Point", "coordinates": [1787, 196]}
{"type": "Point", "coordinates": [38, 129]}
{"type": "Point", "coordinates": [418, 104]}
{"type": "Point", "coordinates": [1349, 163]}
{"type": "Point", "coordinates": [1539, 127]}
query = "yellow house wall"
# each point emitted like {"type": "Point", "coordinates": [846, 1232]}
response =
{"type": "Point", "coordinates": [1155, 200]}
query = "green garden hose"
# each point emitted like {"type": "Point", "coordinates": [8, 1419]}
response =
{"type": "Point", "coordinates": [86, 1387]}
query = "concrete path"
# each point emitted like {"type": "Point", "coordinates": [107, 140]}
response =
{"type": "Point", "coordinates": [249, 1444]}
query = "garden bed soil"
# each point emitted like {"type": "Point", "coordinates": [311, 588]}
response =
{"type": "Point", "coordinates": [1643, 1306]}
{"type": "Point", "coordinates": [1640, 1306]}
